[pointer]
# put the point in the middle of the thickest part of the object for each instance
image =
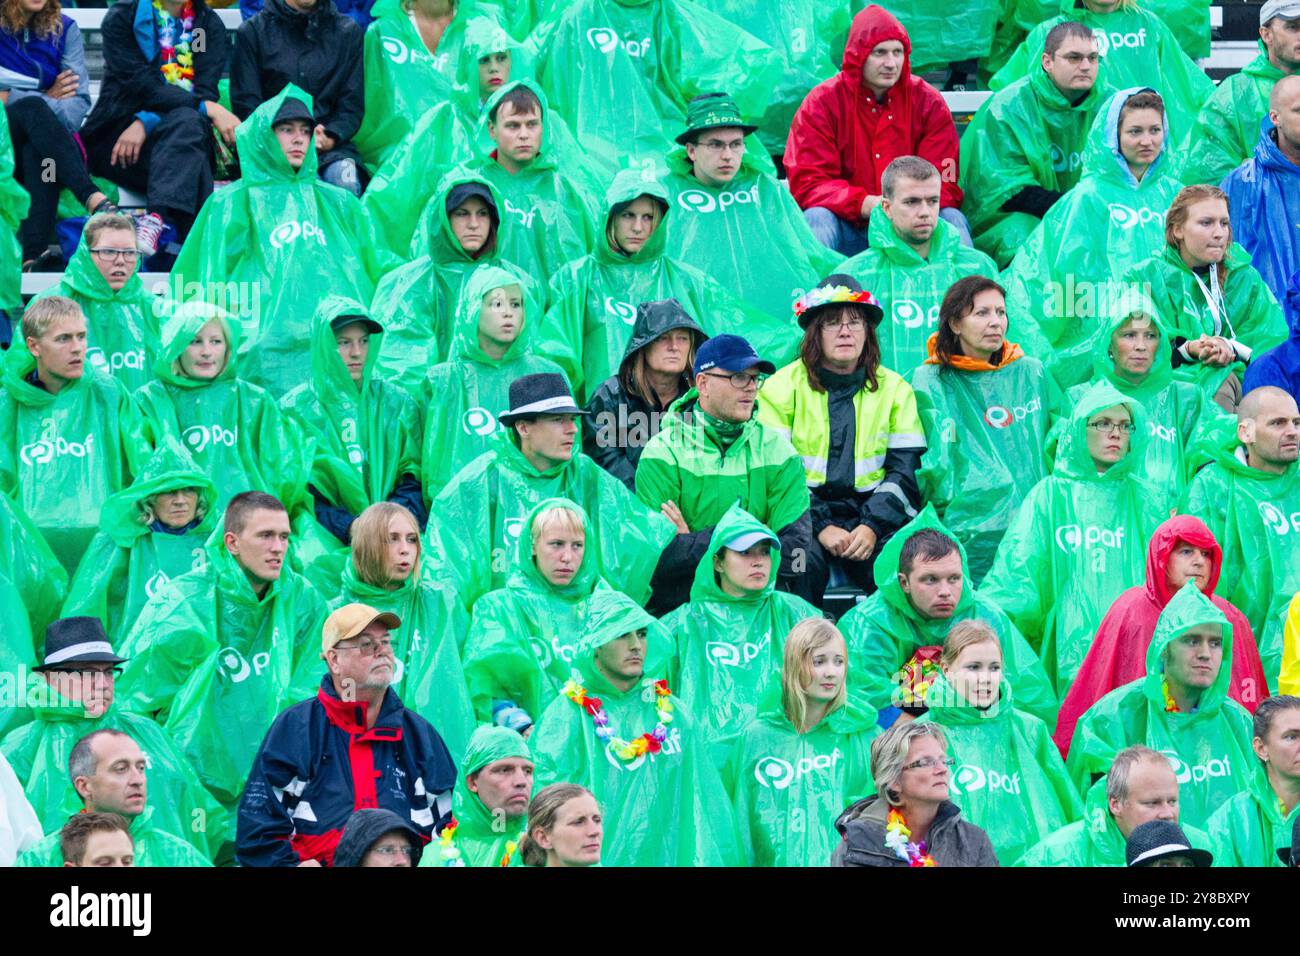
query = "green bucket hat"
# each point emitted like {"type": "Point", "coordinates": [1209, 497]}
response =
{"type": "Point", "coordinates": [710, 111]}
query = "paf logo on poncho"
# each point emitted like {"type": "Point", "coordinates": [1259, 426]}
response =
{"type": "Point", "coordinates": [1061, 162]}
{"type": "Point", "coordinates": [912, 315]}
{"type": "Point", "coordinates": [777, 773]}
{"type": "Point", "coordinates": [970, 778]}
{"type": "Point", "coordinates": [236, 668]}
{"type": "Point", "coordinates": [606, 40]}
{"type": "Point", "coordinates": [292, 230]}
{"type": "Point", "coordinates": [1114, 41]}
{"type": "Point", "coordinates": [47, 449]}
{"type": "Point", "coordinates": [1070, 537]}
{"type": "Point", "coordinates": [697, 200]}
{"type": "Point", "coordinates": [133, 359]}
{"type": "Point", "coordinates": [547, 651]}
{"type": "Point", "coordinates": [400, 53]}
{"type": "Point", "coordinates": [478, 421]}
{"type": "Point", "coordinates": [1198, 773]}
{"type": "Point", "coordinates": [1000, 416]}
{"type": "Point", "coordinates": [1277, 520]}
{"type": "Point", "coordinates": [198, 437]}
{"type": "Point", "coordinates": [1126, 217]}
{"type": "Point", "coordinates": [620, 310]}
{"type": "Point", "coordinates": [722, 654]}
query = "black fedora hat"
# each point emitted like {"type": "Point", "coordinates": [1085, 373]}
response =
{"type": "Point", "coordinates": [546, 393]}
{"type": "Point", "coordinates": [77, 640]}
{"type": "Point", "coordinates": [1157, 839]}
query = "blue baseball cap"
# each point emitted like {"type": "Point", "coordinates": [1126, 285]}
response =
{"type": "Point", "coordinates": [729, 353]}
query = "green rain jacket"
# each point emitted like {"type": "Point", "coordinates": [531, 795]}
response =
{"type": "Point", "coordinates": [480, 839]}
{"type": "Point", "coordinates": [416, 302]}
{"type": "Point", "coordinates": [31, 567]}
{"type": "Point", "coordinates": [1078, 541]}
{"type": "Point", "coordinates": [726, 648]}
{"type": "Point", "coordinates": [215, 663]}
{"type": "Point", "coordinates": [885, 631]}
{"type": "Point", "coordinates": [1137, 49]}
{"type": "Point", "coordinates": [233, 429]}
{"type": "Point", "coordinates": [1227, 127]}
{"type": "Point", "coordinates": [594, 299]}
{"type": "Point", "coordinates": [180, 804]}
{"type": "Point", "coordinates": [1174, 407]}
{"type": "Point", "coordinates": [153, 847]}
{"type": "Point", "coordinates": [1066, 272]}
{"type": "Point", "coordinates": [1249, 828]}
{"type": "Point", "coordinates": [1254, 516]}
{"type": "Point", "coordinates": [788, 787]}
{"type": "Point", "coordinates": [1028, 134]}
{"type": "Point", "coordinates": [367, 437]}
{"type": "Point", "coordinates": [1009, 780]}
{"type": "Point", "coordinates": [121, 327]}
{"type": "Point", "coordinates": [14, 203]}
{"type": "Point", "coordinates": [18, 655]}
{"type": "Point", "coordinates": [128, 561]}
{"type": "Point", "coordinates": [661, 809]}
{"type": "Point", "coordinates": [1094, 840]}
{"type": "Point", "coordinates": [1209, 748]}
{"type": "Point", "coordinates": [475, 521]}
{"type": "Point", "coordinates": [622, 71]}
{"type": "Point", "coordinates": [910, 288]}
{"type": "Point", "coordinates": [522, 637]}
{"type": "Point", "coordinates": [751, 236]}
{"type": "Point", "coordinates": [271, 245]}
{"type": "Point", "coordinates": [63, 455]}
{"type": "Point", "coordinates": [463, 395]}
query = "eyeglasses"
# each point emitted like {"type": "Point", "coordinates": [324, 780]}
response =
{"type": "Point", "coordinates": [1074, 59]}
{"type": "Point", "coordinates": [853, 325]}
{"type": "Point", "coordinates": [929, 763]}
{"type": "Point", "coordinates": [407, 850]}
{"type": "Point", "coordinates": [718, 146]}
{"type": "Point", "coordinates": [115, 255]}
{"type": "Point", "coordinates": [741, 379]}
{"type": "Point", "coordinates": [1108, 426]}
{"type": "Point", "coordinates": [91, 672]}
{"type": "Point", "coordinates": [367, 647]}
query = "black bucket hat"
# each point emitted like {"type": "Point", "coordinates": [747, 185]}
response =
{"type": "Point", "coordinates": [1157, 839]}
{"type": "Point", "coordinates": [77, 640]}
{"type": "Point", "coordinates": [836, 289]}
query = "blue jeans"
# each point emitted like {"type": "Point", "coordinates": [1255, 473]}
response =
{"type": "Point", "coordinates": [343, 173]}
{"type": "Point", "coordinates": [848, 240]}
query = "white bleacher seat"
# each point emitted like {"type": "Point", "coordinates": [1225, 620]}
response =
{"type": "Point", "coordinates": [92, 18]}
{"type": "Point", "coordinates": [35, 283]}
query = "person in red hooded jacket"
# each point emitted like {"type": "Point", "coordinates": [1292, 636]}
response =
{"type": "Point", "coordinates": [1182, 548]}
{"type": "Point", "coordinates": [849, 128]}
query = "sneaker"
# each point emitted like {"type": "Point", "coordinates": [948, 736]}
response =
{"type": "Point", "coordinates": [148, 228]}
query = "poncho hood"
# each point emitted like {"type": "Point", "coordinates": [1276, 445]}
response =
{"type": "Point", "coordinates": [434, 236]}
{"type": "Point", "coordinates": [1178, 529]}
{"type": "Point", "coordinates": [474, 821]}
{"type": "Point", "coordinates": [886, 568]}
{"type": "Point", "coordinates": [1131, 304]}
{"type": "Point", "coordinates": [179, 331]}
{"type": "Point", "coordinates": [607, 616]}
{"type": "Point", "coordinates": [736, 521]}
{"type": "Point", "coordinates": [545, 159]}
{"type": "Point", "coordinates": [261, 160]}
{"type": "Point", "coordinates": [83, 277]}
{"type": "Point", "coordinates": [524, 573]}
{"type": "Point", "coordinates": [169, 468]}
{"type": "Point", "coordinates": [1072, 458]}
{"type": "Point", "coordinates": [629, 185]}
{"type": "Point", "coordinates": [464, 343]}
{"type": "Point", "coordinates": [1102, 157]}
{"type": "Point", "coordinates": [871, 27]}
{"type": "Point", "coordinates": [1187, 609]}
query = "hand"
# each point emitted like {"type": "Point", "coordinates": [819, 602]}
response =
{"type": "Point", "coordinates": [65, 84]}
{"type": "Point", "coordinates": [324, 141]}
{"type": "Point", "coordinates": [670, 511]}
{"type": "Point", "coordinates": [833, 540]}
{"type": "Point", "coordinates": [4, 96]}
{"type": "Point", "coordinates": [223, 121]}
{"type": "Point", "coordinates": [310, 863]}
{"type": "Point", "coordinates": [868, 204]}
{"type": "Point", "coordinates": [861, 542]}
{"type": "Point", "coordinates": [126, 151]}
{"type": "Point", "coordinates": [1212, 350]}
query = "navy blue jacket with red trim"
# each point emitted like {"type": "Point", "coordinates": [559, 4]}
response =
{"type": "Point", "coordinates": [319, 763]}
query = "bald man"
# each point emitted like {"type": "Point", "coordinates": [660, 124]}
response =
{"type": "Point", "coordinates": [1249, 495]}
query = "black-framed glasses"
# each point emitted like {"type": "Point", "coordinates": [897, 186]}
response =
{"type": "Point", "coordinates": [87, 671]}
{"type": "Point", "coordinates": [741, 379]}
{"type": "Point", "coordinates": [929, 763]}
{"type": "Point", "coordinates": [105, 254]}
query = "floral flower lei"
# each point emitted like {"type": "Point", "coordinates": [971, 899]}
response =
{"type": "Point", "coordinates": [450, 853]}
{"type": "Point", "coordinates": [639, 746]}
{"type": "Point", "coordinates": [825, 295]}
{"type": "Point", "coordinates": [896, 838]}
{"type": "Point", "coordinates": [174, 34]}
{"type": "Point", "coordinates": [1170, 706]}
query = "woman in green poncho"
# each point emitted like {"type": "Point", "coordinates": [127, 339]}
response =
{"type": "Point", "coordinates": [729, 639]}
{"type": "Point", "coordinates": [366, 431]}
{"type": "Point", "coordinates": [805, 757]}
{"type": "Point", "coordinates": [521, 640]}
{"type": "Point", "coordinates": [1250, 828]}
{"type": "Point", "coordinates": [149, 533]}
{"type": "Point", "coordinates": [1220, 311]}
{"type": "Point", "coordinates": [491, 346]}
{"type": "Point", "coordinates": [232, 428]}
{"type": "Point", "coordinates": [986, 408]}
{"type": "Point", "coordinates": [1010, 780]}
{"type": "Point", "coordinates": [1180, 708]}
{"type": "Point", "coordinates": [1079, 538]}
{"type": "Point", "coordinates": [619, 731]}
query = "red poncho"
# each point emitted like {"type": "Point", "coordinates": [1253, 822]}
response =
{"type": "Point", "coordinates": [1118, 652]}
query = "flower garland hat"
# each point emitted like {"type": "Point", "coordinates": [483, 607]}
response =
{"type": "Point", "coordinates": [837, 289]}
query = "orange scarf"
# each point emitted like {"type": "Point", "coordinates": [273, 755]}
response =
{"type": "Point", "coordinates": [964, 363]}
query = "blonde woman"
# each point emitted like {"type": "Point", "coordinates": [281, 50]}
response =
{"type": "Point", "coordinates": [564, 828]}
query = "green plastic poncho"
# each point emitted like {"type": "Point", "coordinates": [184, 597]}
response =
{"type": "Point", "coordinates": [121, 327]}
{"type": "Point", "coordinates": [233, 429]}
{"type": "Point", "coordinates": [1227, 127]}
{"type": "Point", "coordinates": [661, 809]}
{"type": "Point", "coordinates": [17, 656]}
{"type": "Point", "coordinates": [1249, 828]}
{"type": "Point", "coordinates": [910, 288]}
{"type": "Point", "coordinates": [63, 455]}
{"type": "Point", "coordinates": [1209, 748]}
{"type": "Point", "coordinates": [986, 433]}
{"type": "Point", "coordinates": [943, 33]}
{"type": "Point", "coordinates": [885, 631]}
{"type": "Point", "coordinates": [416, 302]}
{"type": "Point", "coordinates": [789, 787]}
{"type": "Point", "coordinates": [521, 640]}
{"type": "Point", "coordinates": [751, 236]}
{"type": "Point", "coordinates": [153, 847]}
{"type": "Point", "coordinates": [622, 71]}
{"type": "Point", "coordinates": [215, 663]}
{"type": "Point", "coordinates": [475, 521]}
{"type": "Point", "coordinates": [1014, 21]}
{"type": "Point", "coordinates": [128, 561]}
{"type": "Point", "coordinates": [1137, 49]}
{"type": "Point", "coordinates": [594, 299]}
{"type": "Point", "coordinates": [481, 838]}
{"type": "Point", "coordinates": [1062, 278]}
{"type": "Point", "coordinates": [1078, 540]}
{"type": "Point", "coordinates": [30, 566]}
{"type": "Point", "coordinates": [726, 648]}
{"type": "Point", "coordinates": [464, 395]}
{"type": "Point", "coordinates": [14, 203]}
{"type": "Point", "coordinates": [367, 436]}
{"type": "Point", "coordinates": [1174, 407]}
{"type": "Point", "coordinates": [1009, 780]}
{"type": "Point", "coordinates": [1254, 516]}
{"type": "Point", "coordinates": [271, 245]}
{"type": "Point", "coordinates": [39, 754]}
{"type": "Point", "coordinates": [1094, 840]}
{"type": "Point", "coordinates": [1028, 134]}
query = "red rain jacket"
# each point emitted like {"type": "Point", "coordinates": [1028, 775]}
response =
{"type": "Point", "coordinates": [841, 139]}
{"type": "Point", "coordinates": [1119, 651]}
